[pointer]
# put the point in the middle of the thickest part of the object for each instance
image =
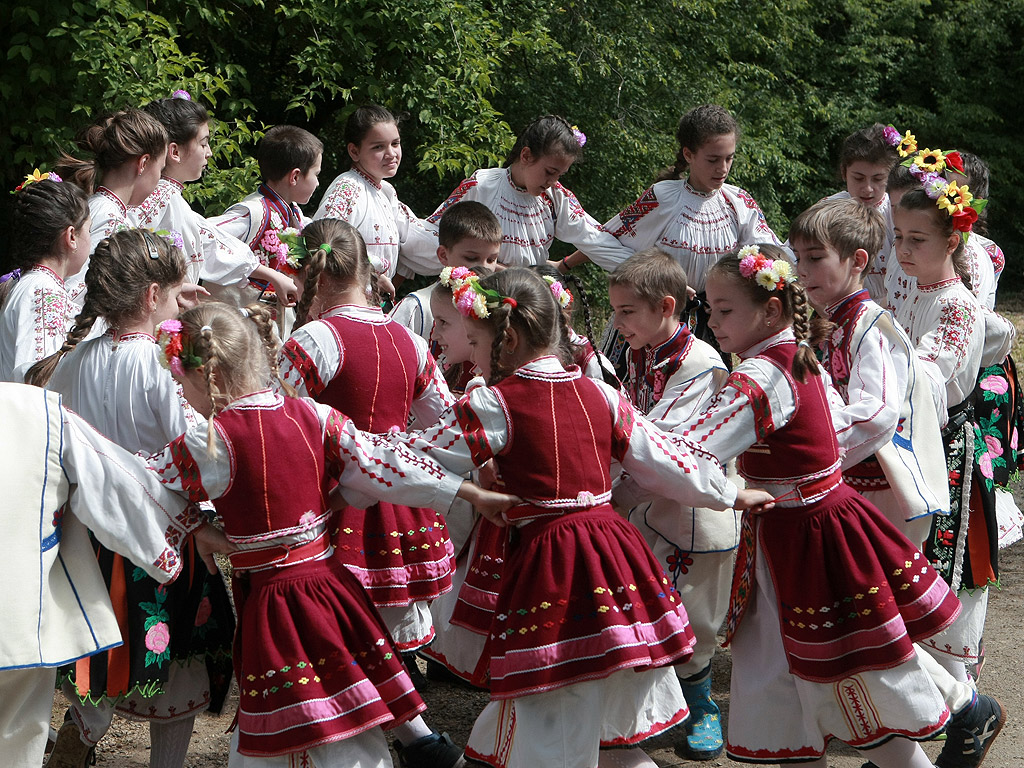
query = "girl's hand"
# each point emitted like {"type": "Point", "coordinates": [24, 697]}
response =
{"type": "Point", "coordinates": [385, 287]}
{"type": "Point", "coordinates": [209, 539]}
{"type": "Point", "coordinates": [285, 288]}
{"type": "Point", "coordinates": [490, 504]}
{"type": "Point", "coordinates": [754, 500]}
{"type": "Point", "coordinates": [488, 476]}
{"type": "Point", "coordinates": [189, 296]}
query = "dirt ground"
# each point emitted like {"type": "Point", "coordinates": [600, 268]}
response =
{"type": "Point", "coordinates": [453, 708]}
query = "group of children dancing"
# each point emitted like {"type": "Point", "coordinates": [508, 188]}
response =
{"type": "Point", "coordinates": [470, 480]}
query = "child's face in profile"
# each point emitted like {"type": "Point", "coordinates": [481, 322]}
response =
{"type": "Point", "coordinates": [866, 181]}
{"type": "Point", "coordinates": [470, 252]}
{"type": "Point", "coordinates": [641, 323]}
{"type": "Point", "coordinates": [307, 183]}
{"type": "Point", "coordinates": [536, 173]}
{"type": "Point", "coordinates": [449, 330]}
{"type": "Point", "coordinates": [737, 321]}
{"type": "Point", "coordinates": [193, 387]}
{"type": "Point", "coordinates": [480, 335]}
{"type": "Point", "coordinates": [825, 276]}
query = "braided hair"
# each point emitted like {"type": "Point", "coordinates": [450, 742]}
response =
{"type": "Point", "coordinates": [795, 307]}
{"type": "Point", "coordinates": [548, 134]}
{"type": "Point", "coordinates": [343, 261]}
{"type": "Point", "coordinates": [121, 269]}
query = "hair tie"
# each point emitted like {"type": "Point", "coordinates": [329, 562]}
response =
{"type": "Point", "coordinates": [183, 95]}
{"type": "Point", "coordinates": [803, 343]}
{"type": "Point", "coordinates": [510, 301]}
{"type": "Point", "coordinates": [206, 328]}
{"type": "Point", "coordinates": [14, 274]}
{"type": "Point", "coordinates": [243, 312]}
{"type": "Point", "coordinates": [325, 247]}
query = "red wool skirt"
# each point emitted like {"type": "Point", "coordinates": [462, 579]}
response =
{"type": "Point", "coordinates": [581, 596]}
{"type": "Point", "coordinates": [313, 659]}
{"type": "Point", "coordinates": [854, 594]}
{"type": "Point", "coordinates": [400, 554]}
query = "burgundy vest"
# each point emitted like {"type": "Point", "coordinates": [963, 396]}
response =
{"type": "Point", "coordinates": [806, 445]}
{"type": "Point", "coordinates": [279, 468]}
{"type": "Point", "coordinates": [376, 381]}
{"type": "Point", "coordinates": [561, 435]}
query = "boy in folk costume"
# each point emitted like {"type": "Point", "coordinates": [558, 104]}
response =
{"type": "Point", "coordinates": [672, 376]}
{"type": "Point", "coordinates": [60, 475]}
{"type": "Point", "coordinates": [289, 159]}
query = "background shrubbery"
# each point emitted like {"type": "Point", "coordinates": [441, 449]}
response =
{"type": "Point", "coordinates": [468, 74]}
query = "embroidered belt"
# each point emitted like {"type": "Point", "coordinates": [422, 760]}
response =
{"type": "Point", "coordinates": [280, 555]}
{"type": "Point", "coordinates": [866, 476]}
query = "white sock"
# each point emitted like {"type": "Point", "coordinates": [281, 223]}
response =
{"type": "Point", "coordinates": [408, 732]}
{"type": "Point", "coordinates": [168, 742]}
{"type": "Point", "coordinates": [624, 758]}
{"type": "Point", "coordinates": [898, 753]}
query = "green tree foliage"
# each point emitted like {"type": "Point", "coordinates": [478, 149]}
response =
{"type": "Point", "coordinates": [468, 74]}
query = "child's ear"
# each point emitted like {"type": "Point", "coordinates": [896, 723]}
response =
{"type": "Point", "coordinates": [152, 297]}
{"type": "Point", "coordinates": [69, 238]}
{"type": "Point", "coordinates": [860, 260]}
{"type": "Point", "coordinates": [353, 152]}
{"type": "Point", "coordinates": [526, 156]}
{"type": "Point", "coordinates": [511, 341]}
{"type": "Point", "coordinates": [140, 164]}
{"type": "Point", "coordinates": [688, 155]}
{"type": "Point", "coordinates": [174, 152]}
{"type": "Point", "coordinates": [293, 176]}
{"type": "Point", "coordinates": [668, 306]}
{"type": "Point", "coordinates": [773, 312]}
{"type": "Point", "coordinates": [442, 255]}
{"type": "Point", "coordinates": [952, 243]}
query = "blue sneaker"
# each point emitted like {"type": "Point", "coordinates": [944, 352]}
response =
{"type": "Point", "coordinates": [970, 733]}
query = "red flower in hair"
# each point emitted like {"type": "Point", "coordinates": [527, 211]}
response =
{"type": "Point", "coordinates": [954, 161]}
{"type": "Point", "coordinates": [962, 222]}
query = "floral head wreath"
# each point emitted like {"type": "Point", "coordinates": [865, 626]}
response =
{"type": "Point", "coordinates": [905, 145]}
{"type": "Point", "coordinates": [770, 274]}
{"type": "Point", "coordinates": [35, 176]}
{"type": "Point", "coordinates": [287, 248]}
{"type": "Point", "coordinates": [177, 353]}
{"type": "Point", "coordinates": [468, 296]}
{"type": "Point", "coordinates": [932, 168]}
{"type": "Point", "coordinates": [562, 295]}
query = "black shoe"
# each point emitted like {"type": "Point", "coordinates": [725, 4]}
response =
{"type": "Point", "coordinates": [971, 732]}
{"type": "Point", "coordinates": [434, 751]}
{"type": "Point", "coordinates": [418, 680]}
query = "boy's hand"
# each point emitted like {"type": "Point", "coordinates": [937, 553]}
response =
{"type": "Point", "coordinates": [385, 287]}
{"type": "Point", "coordinates": [286, 290]}
{"type": "Point", "coordinates": [210, 539]}
{"type": "Point", "coordinates": [754, 500]}
{"type": "Point", "coordinates": [190, 295]}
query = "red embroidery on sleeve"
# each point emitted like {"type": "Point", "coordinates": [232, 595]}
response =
{"type": "Point", "coordinates": [763, 424]}
{"type": "Point", "coordinates": [622, 429]}
{"type": "Point", "coordinates": [191, 480]}
{"type": "Point", "coordinates": [457, 195]}
{"type": "Point", "coordinates": [473, 432]}
{"type": "Point", "coordinates": [304, 367]}
{"type": "Point", "coordinates": [632, 213]}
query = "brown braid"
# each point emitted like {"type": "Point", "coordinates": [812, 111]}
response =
{"type": "Point", "coordinates": [345, 263]}
{"type": "Point", "coordinates": [313, 268]}
{"type": "Point", "coordinates": [804, 362]}
{"type": "Point", "coordinates": [39, 374]}
{"type": "Point", "coordinates": [500, 320]}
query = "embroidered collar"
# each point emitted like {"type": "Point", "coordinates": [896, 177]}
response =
{"type": "Point", "coordinates": [356, 311]}
{"type": "Point", "coordinates": [275, 201]}
{"type": "Point", "coordinates": [133, 336]}
{"type": "Point", "coordinates": [933, 287]}
{"type": "Point", "coordinates": [366, 177]}
{"type": "Point", "coordinates": [104, 192]}
{"type": "Point", "coordinates": [694, 191]}
{"type": "Point", "coordinates": [264, 398]}
{"type": "Point", "coordinates": [665, 352]}
{"type": "Point", "coordinates": [516, 187]}
{"type": "Point", "coordinates": [46, 270]}
{"type": "Point", "coordinates": [840, 308]}
{"type": "Point", "coordinates": [786, 334]}
{"type": "Point", "coordinates": [548, 367]}
{"type": "Point", "coordinates": [173, 182]}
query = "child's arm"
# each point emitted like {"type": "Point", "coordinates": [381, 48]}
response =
{"type": "Point", "coordinates": [226, 259]}
{"type": "Point", "coordinates": [948, 346]}
{"type": "Point", "coordinates": [637, 226]}
{"type": "Point", "coordinates": [690, 389]}
{"type": "Point", "coordinates": [574, 225]}
{"type": "Point", "coordinates": [310, 359]}
{"type": "Point", "coordinates": [431, 396]}
{"type": "Point", "coordinates": [417, 242]}
{"type": "Point", "coordinates": [410, 313]}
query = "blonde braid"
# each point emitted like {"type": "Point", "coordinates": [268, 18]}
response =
{"type": "Point", "coordinates": [263, 318]}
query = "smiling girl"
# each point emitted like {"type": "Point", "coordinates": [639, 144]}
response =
{"type": "Point", "coordinates": [397, 241]}
{"type": "Point", "coordinates": [532, 205]}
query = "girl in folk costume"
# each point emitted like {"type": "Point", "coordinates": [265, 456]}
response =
{"type": "Point", "coordinates": [585, 619]}
{"type": "Point", "coordinates": [317, 669]}
{"type": "Point", "coordinates": [50, 242]}
{"type": "Point", "coordinates": [949, 327]}
{"type": "Point", "coordinates": [690, 211]}
{"type": "Point", "coordinates": [828, 595]}
{"type": "Point", "coordinates": [354, 357]}
{"type": "Point", "coordinates": [64, 482]}
{"type": "Point", "coordinates": [128, 150]}
{"type": "Point", "coordinates": [533, 207]}
{"type": "Point", "coordinates": [176, 659]}
{"type": "Point", "coordinates": [397, 242]}
{"type": "Point", "coordinates": [214, 256]}
{"type": "Point", "coordinates": [672, 376]}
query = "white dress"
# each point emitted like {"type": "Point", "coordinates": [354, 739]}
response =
{"type": "Point", "coordinates": [396, 239]}
{"type": "Point", "coordinates": [530, 223]}
{"type": "Point", "coordinates": [696, 228]}
{"type": "Point", "coordinates": [981, 267]}
{"type": "Point", "coordinates": [109, 215]}
{"type": "Point", "coordinates": [213, 255]}
{"type": "Point", "coordinates": [34, 321]}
